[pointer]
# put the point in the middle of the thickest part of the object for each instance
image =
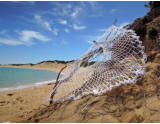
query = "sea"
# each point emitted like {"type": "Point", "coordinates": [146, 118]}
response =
{"type": "Point", "coordinates": [20, 78]}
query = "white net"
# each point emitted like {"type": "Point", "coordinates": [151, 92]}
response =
{"type": "Point", "coordinates": [116, 58]}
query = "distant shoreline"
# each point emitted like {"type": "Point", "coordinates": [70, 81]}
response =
{"type": "Point", "coordinates": [45, 65]}
{"type": "Point", "coordinates": [10, 66]}
{"type": "Point", "coordinates": [27, 68]}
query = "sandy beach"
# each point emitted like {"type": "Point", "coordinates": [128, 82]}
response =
{"type": "Point", "coordinates": [15, 104]}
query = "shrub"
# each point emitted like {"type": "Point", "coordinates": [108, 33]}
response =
{"type": "Point", "coordinates": [152, 31]}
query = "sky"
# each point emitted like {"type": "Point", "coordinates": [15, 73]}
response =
{"type": "Point", "coordinates": [32, 32]}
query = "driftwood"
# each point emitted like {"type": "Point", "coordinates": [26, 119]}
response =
{"type": "Point", "coordinates": [56, 84]}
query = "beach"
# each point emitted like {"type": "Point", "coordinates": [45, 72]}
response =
{"type": "Point", "coordinates": [15, 104]}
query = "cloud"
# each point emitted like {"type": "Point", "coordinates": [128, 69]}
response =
{"type": "Point", "coordinates": [12, 42]}
{"type": "Point", "coordinates": [70, 10]}
{"type": "Point", "coordinates": [76, 12]}
{"type": "Point", "coordinates": [63, 22]}
{"type": "Point", "coordinates": [46, 25]}
{"type": "Point", "coordinates": [62, 9]}
{"type": "Point", "coordinates": [96, 9]}
{"type": "Point", "coordinates": [26, 37]}
{"type": "Point", "coordinates": [113, 10]}
{"type": "Point", "coordinates": [55, 31]}
{"type": "Point", "coordinates": [76, 27]}
{"type": "Point", "coordinates": [66, 30]}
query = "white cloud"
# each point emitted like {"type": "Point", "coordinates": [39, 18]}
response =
{"type": "Point", "coordinates": [26, 37]}
{"type": "Point", "coordinates": [113, 10]}
{"type": "Point", "coordinates": [96, 9]}
{"type": "Point", "coordinates": [76, 12]}
{"type": "Point", "coordinates": [12, 42]}
{"type": "Point", "coordinates": [69, 10]}
{"type": "Point", "coordinates": [62, 9]}
{"type": "Point", "coordinates": [55, 31]}
{"type": "Point", "coordinates": [76, 27]}
{"type": "Point", "coordinates": [63, 22]}
{"type": "Point", "coordinates": [66, 30]}
{"type": "Point", "coordinates": [46, 25]}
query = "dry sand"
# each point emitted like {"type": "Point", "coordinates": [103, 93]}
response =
{"type": "Point", "coordinates": [15, 104]}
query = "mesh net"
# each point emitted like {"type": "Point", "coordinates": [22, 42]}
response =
{"type": "Point", "coordinates": [116, 58]}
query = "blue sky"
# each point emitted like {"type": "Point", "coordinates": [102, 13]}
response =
{"type": "Point", "coordinates": [31, 32]}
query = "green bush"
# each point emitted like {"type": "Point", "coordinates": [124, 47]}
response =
{"type": "Point", "coordinates": [152, 31]}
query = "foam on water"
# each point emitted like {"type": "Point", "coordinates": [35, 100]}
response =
{"type": "Point", "coordinates": [26, 86]}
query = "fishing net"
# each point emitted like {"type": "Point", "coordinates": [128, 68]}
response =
{"type": "Point", "coordinates": [116, 58]}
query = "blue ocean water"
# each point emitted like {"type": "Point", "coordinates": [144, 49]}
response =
{"type": "Point", "coordinates": [17, 78]}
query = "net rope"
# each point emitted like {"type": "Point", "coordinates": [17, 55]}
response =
{"type": "Point", "coordinates": [115, 58]}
